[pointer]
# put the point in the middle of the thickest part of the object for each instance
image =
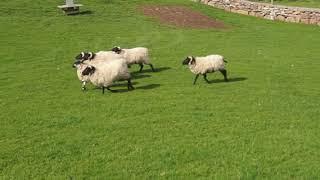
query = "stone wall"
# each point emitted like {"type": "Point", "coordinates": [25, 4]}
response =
{"type": "Point", "coordinates": [268, 11]}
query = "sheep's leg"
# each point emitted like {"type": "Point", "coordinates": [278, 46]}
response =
{"type": "Point", "coordinates": [224, 72]}
{"type": "Point", "coordinates": [83, 85]}
{"type": "Point", "coordinates": [103, 90]}
{"type": "Point", "coordinates": [130, 84]}
{"type": "Point", "coordinates": [152, 67]}
{"type": "Point", "coordinates": [205, 78]}
{"type": "Point", "coordinates": [195, 79]}
{"type": "Point", "coordinates": [141, 67]}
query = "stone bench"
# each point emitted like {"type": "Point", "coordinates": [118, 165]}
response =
{"type": "Point", "coordinates": [70, 7]}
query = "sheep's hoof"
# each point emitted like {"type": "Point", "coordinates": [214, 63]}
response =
{"type": "Point", "coordinates": [83, 88]}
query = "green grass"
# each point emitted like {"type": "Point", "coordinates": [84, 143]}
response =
{"type": "Point", "coordinates": [302, 3]}
{"type": "Point", "coordinates": [263, 124]}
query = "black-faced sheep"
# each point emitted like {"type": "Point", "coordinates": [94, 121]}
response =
{"type": "Point", "coordinates": [101, 55]}
{"type": "Point", "coordinates": [105, 73]}
{"type": "Point", "coordinates": [80, 67]}
{"type": "Point", "coordinates": [138, 55]}
{"type": "Point", "coordinates": [92, 59]}
{"type": "Point", "coordinates": [204, 65]}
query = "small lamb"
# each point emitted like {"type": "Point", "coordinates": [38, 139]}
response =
{"type": "Point", "coordinates": [138, 55]}
{"type": "Point", "coordinates": [204, 65]}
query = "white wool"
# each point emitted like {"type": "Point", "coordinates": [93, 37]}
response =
{"type": "Point", "coordinates": [108, 72]}
{"type": "Point", "coordinates": [100, 57]}
{"type": "Point", "coordinates": [136, 55]}
{"type": "Point", "coordinates": [207, 64]}
{"type": "Point", "coordinates": [106, 55]}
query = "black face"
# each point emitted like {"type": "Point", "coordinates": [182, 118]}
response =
{"type": "Point", "coordinates": [88, 70]}
{"type": "Point", "coordinates": [188, 59]}
{"type": "Point", "coordinates": [116, 50]}
{"type": "Point", "coordinates": [77, 62]}
{"type": "Point", "coordinates": [84, 56]}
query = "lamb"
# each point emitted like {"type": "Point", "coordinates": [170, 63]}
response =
{"type": "Point", "coordinates": [138, 55]}
{"type": "Point", "coordinates": [105, 73]}
{"type": "Point", "coordinates": [207, 64]}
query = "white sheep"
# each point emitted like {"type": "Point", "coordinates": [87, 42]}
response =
{"type": "Point", "coordinates": [138, 55]}
{"type": "Point", "coordinates": [204, 65]}
{"type": "Point", "coordinates": [105, 73]}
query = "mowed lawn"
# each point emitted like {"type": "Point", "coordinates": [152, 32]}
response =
{"type": "Point", "coordinates": [264, 123]}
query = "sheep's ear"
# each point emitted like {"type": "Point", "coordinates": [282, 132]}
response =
{"type": "Point", "coordinates": [193, 60]}
{"type": "Point", "coordinates": [79, 56]}
{"type": "Point", "coordinates": [90, 55]}
{"type": "Point", "coordinates": [86, 56]}
{"type": "Point", "coordinates": [116, 49]}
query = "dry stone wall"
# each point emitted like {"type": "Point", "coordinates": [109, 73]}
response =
{"type": "Point", "coordinates": [268, 11]}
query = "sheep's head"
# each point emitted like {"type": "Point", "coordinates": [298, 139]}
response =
{"type": "Point", "coordinates": [189, 60]}
{"type": "Point", "coordinates": [88, 70]}
{"type": "Point", "coordinates": [85, 56]}
{"type": "Point", "coordinates": [76, 63]}
{"type": "Point", "coordinates": [116, 49]}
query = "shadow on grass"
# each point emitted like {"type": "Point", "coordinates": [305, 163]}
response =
{"type": "Point", "coordinates": [150, 86]}
{"type": "Point", "coordinates": [124, 84]}
{"type": "Point", "coordinates": [118, 84]}
{"type": "Point", "coordinates": [150, 70]}
{"type": "Point", "coordinates": [82, 13]}
{"type": "Point", "coordinates": [230, 80]}
{"type": "Point", "coordinates": [140, 76]}
{"type": "Point", "coordinates": [146, 87]}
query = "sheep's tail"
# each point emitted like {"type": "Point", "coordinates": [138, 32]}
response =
{"type": "Point", "coordinates": [224, 60]}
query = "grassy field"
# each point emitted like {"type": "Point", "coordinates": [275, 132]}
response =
{"type": "Point", "coordinates": [302, 3]}
{"type": "Point", "coordinates": [264, 123]}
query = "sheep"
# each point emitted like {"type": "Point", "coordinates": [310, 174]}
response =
{"type": "Point", "coordinates": [91, 59]}
{"type": "Point", "coordinates": [80, 67]}
{"type": "Point", "coordinates": [101, 55]}
{"type": "Point", "coordinates": [138, 55]}
{"type": "Point", "coordinates": [207, 64]}
{"type": "Point", "coordinates": [105, 73]}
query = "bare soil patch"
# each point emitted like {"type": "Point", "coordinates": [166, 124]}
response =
{"type": "Point", "coordinates": [181, 17]}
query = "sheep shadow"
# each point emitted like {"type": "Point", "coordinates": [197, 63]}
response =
{"type": "Point", "coordinates": [230, 80]}
{"type": "Point", "coordinates": [124, 84]}
{"type": "Point", "coordinates": [160, 69]}
{"type": "Point", "coordinates": [140, 76]}
{"type": "Point", "coordinates": [82, 13]}
{"type": "Point", "coordinates": [146, 87]}
{"type": "Point", "coordinates": [149, 86]}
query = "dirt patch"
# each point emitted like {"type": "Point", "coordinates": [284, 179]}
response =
{"type": "Point", "coordinates": [181, 16]}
